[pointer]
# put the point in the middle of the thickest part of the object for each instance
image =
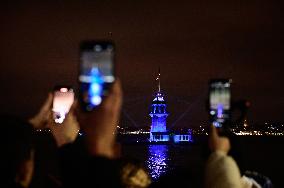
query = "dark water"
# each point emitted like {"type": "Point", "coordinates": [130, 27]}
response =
{"type": "Point", "coordinates": [161, 159]}
{"type": "Point", "coordinates": [261, 154]}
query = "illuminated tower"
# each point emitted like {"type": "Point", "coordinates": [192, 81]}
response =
{"type": "Point", "coordinates": [159, 114]}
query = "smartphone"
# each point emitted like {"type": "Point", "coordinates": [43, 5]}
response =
{"type": "Point", "coordinates": [220, 101]}
{"type": "Point", "coordinates": [63, 98]}
{"type": "Point", "coordinates": [96, 72]}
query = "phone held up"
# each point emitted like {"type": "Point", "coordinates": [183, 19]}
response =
{"type": "Point", "coordinates": [63, 98]}
{"type": "Point", "coordinates": [96, 72]}
{"type": "Point", "coordinates": [220, 102]}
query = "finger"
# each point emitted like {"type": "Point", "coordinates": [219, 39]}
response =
{"type": "Point", "coordinates": [115, 96]}
{"type": "Point", "coordinates": [116, 89]}
{"type": "Point", "coordinates": [73, 107]}
{"type": "Point", "coordinates": [71, 115]}
{"type": "Point", "coordinates": [114, 99]}
{"type": "Point", "coordinates": [213, 132]}
{"type": "Point", "coordinates": [48, 102]}
{"type": "Point", "coordinates": [117, 93]}
{"type": "Point", "coordinates": [50, 122]}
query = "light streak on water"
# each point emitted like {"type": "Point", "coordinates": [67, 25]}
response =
{"type": "Point", "coordinates": [157, 162]}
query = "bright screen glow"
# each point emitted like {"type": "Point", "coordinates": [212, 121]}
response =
{"type": "Point", "coordinates": [62, 103]}
{"type": "Point", "coordinates": [220, 100]}
{"type": "Point", "coordinates": [220, 96]}
{"type": "Point", "coordinates": [96, 71]}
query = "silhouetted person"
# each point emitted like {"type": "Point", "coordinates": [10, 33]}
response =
{"type": "Point", "coordinates": [17, 152]}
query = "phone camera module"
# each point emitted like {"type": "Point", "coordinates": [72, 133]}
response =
{"type": "Point", "coordinates": [98, 48]}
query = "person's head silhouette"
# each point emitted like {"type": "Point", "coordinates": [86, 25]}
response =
{"type": "Point", "coordinates": [16, 142]}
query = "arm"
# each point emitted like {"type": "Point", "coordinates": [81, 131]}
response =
{"type": "Point", "coordinates": [221, 169]}
{"type": "Point", "coordinates": [99, 126]}
{"type": "Point", "coordinates": [91, 159]}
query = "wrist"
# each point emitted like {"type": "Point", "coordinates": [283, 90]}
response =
{"type": "Point", "coordinates": [220, 152]}
{"type": "Point", "coordinates": [100, 147]}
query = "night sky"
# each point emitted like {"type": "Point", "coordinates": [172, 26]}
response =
{"type": "Point", "coordinates": [191, 41]}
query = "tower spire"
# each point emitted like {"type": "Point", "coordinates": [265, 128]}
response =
{"type": "Point", "coordinates": [159, 82]}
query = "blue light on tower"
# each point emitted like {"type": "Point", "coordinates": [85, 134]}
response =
{"type": "Point", "coordinates": [159, 114]}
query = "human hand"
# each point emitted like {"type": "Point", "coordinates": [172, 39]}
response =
{"type": "Point", "coordinates": [218, 143]}
{"type": "Point", "coordinates": [99, 126]}
{"type": "Point", "coordinates": [67, 131]}
{"type": "Point", "coordinates": [40, 120]}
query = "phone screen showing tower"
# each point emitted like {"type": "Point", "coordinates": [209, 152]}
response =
{"type": "Point", "coordinates": [96, 74]}
{"type": "Point", "coordinates": [220, 101]}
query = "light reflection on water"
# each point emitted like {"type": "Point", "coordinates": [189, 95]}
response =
{"type": "Point", "coordinates": [157, 162]}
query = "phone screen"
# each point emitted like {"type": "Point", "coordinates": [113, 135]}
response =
{"type": "Point", "coordinates": [96, 72]}
{"type": "Point", "coordinates": [62, 102]}
{"type": "Point", "coordinates": [220, 101]}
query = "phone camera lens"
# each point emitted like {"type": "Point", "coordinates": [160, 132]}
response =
{"type": "Point", "coordinates": [98, 48]}
{"type": "Point", "coordinates": [57, 116]}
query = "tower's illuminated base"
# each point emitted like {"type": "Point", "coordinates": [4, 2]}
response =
{"type": "Point", "coordinates": [177, 137]}
{"type": "Point", "coordinates": [159, 137]}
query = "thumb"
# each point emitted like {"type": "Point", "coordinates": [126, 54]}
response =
{"type": "Point", "coordinates": [73, 108]}
{"type": "Point", "coordinates": [48, 103]}
{"type": "Point", "coordinates": [213, 132]}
